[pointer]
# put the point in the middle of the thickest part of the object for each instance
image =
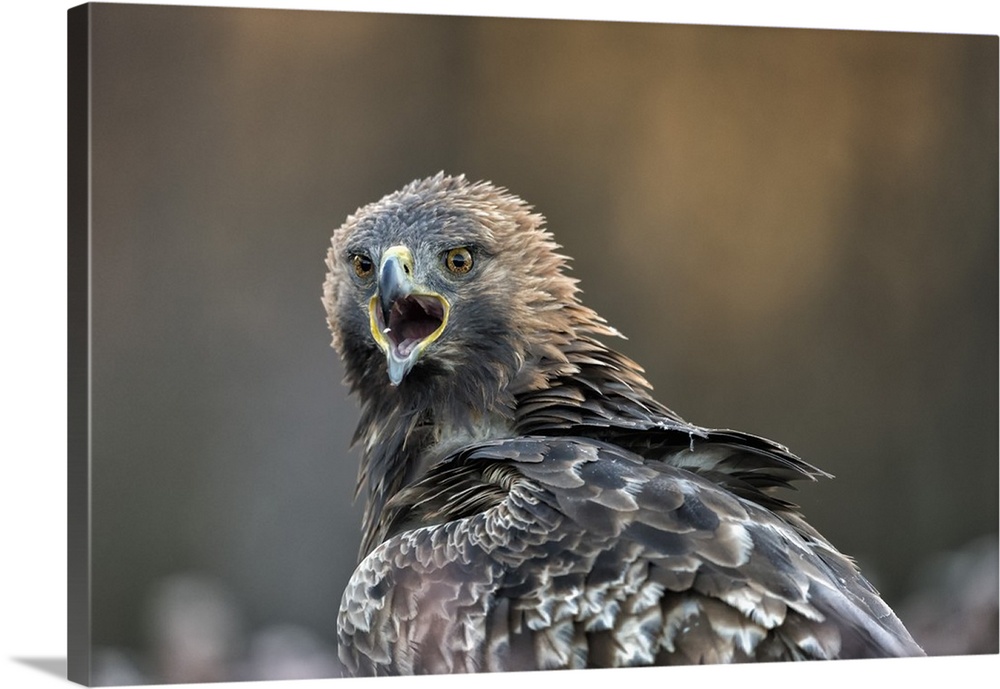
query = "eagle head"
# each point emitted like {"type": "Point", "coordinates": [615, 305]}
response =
{"type": "Point", "coordinates": [451, 290]}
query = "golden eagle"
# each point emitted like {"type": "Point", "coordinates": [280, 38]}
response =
{"type": "Point", "coordinates": [528, 504]}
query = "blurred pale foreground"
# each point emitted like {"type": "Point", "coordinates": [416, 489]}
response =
{"type": "Point", "coordinates": [196, 629]}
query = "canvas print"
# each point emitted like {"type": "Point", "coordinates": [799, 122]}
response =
{"type": "Point", "coordinates": [407, 344]}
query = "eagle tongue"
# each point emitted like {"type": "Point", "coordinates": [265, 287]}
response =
{"type": "Point", "coordinates": [404, 333]}
{"type": "Point", "coordinates": [408, 321]}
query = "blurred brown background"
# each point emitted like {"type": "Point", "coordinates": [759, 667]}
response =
{"type": "Point", "coordinates": [797, 230]}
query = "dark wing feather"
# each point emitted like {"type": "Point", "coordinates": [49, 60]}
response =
{"type": "Point", "coordinates": [606, 398]}
{"type": "Point", "coordinates": [544, 552]}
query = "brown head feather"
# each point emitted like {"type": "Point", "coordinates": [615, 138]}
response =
{"type": "Point", "coordinates": [540, 302]}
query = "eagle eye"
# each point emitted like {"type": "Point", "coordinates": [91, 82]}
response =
{"type": "Point", "coordinates": [364, 267]}
{"type": "Point", "coordinates": [458, 261]}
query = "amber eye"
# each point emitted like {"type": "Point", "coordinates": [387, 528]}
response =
{"type": "Point", "coordinates": [458, 261]}
{"type": "Point", "coordinates": [363, 266]}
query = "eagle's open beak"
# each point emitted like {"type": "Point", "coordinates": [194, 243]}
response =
{"type": "Point", "coordinates": [404, 318]}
